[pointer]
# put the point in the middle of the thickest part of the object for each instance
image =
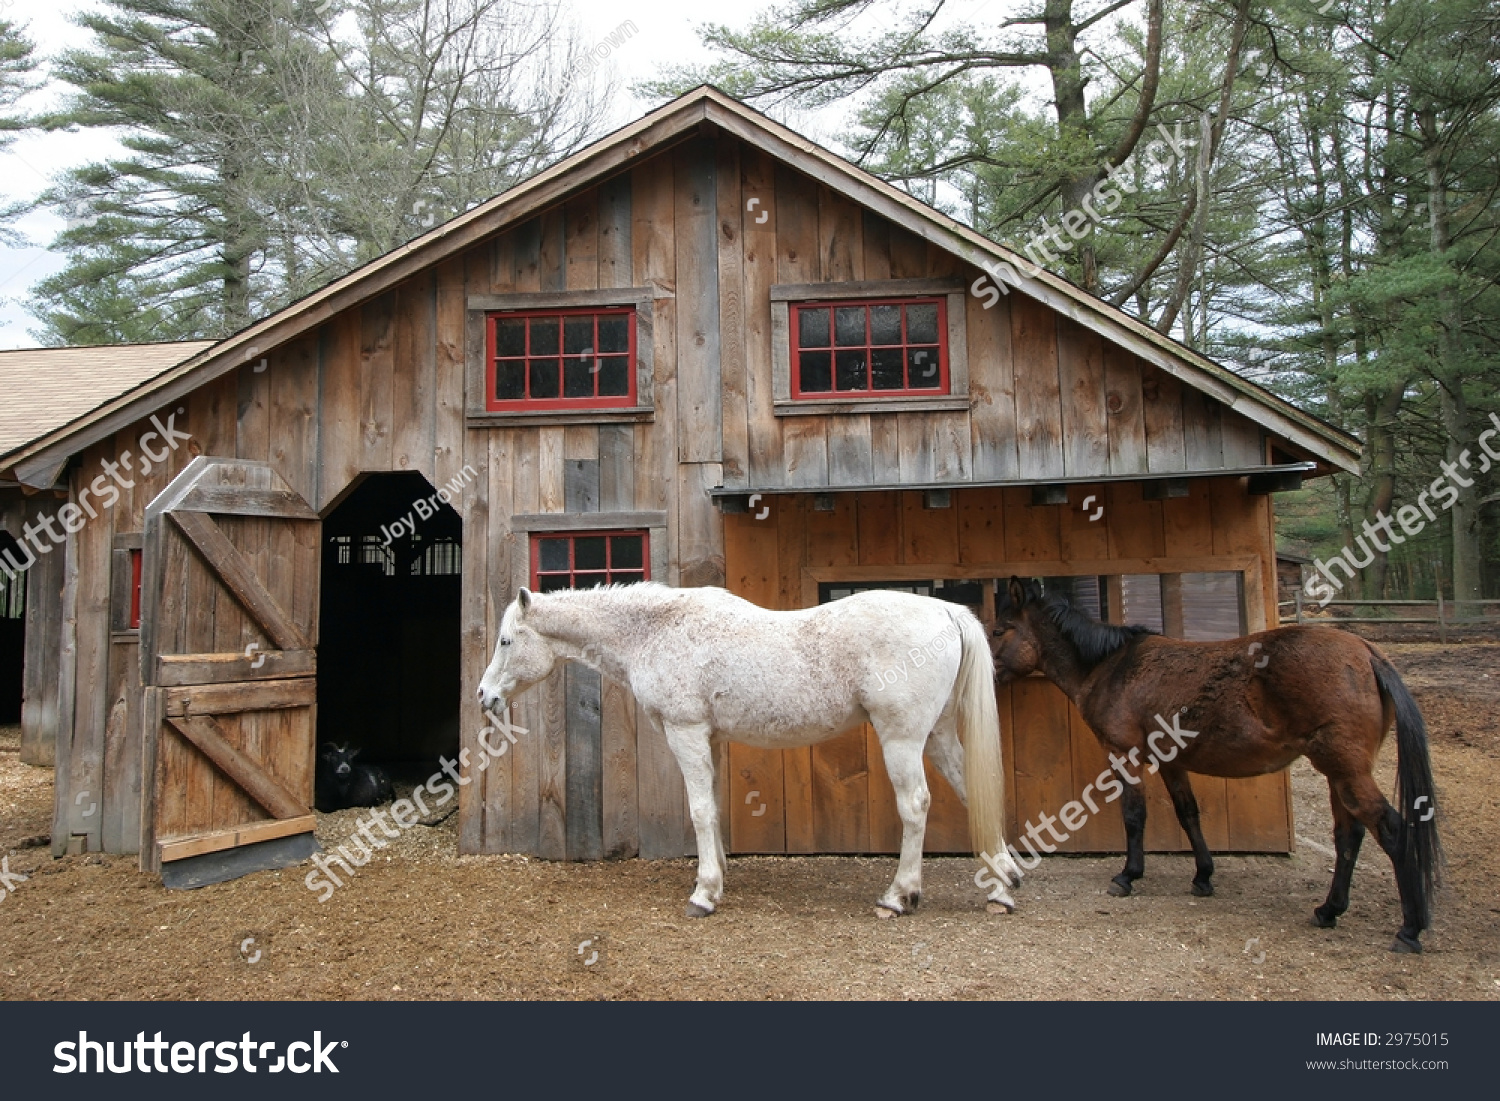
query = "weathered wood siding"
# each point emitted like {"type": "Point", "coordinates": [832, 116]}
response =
{"type": "Point", "coordinates": [837, 798]}
{"type": "Point", "coordinates": [1048, 399]}
{"type": "Point", "coordinates": [382, 388]}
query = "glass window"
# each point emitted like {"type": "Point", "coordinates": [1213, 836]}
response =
{"type": "Point", "coordinates": [562, 359]}
{"type": "Point", "coordinates": [588, 559]}
{"type": "Point", "coordinates": [863, 349]}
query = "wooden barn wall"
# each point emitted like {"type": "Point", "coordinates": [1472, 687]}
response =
{"type": "Point", "coordinates": [1048, 399]}
{"type": "Point", "coordinates": [381, 388]}
{"type": "Point", "coordinates": [837, 797]}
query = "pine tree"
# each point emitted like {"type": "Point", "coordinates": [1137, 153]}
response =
{"type": "Point", "coordinates": [271, 148]}
{"type": "Point", "coordinates": [17, 63]}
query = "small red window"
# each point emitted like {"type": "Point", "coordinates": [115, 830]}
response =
{"type": "Point", "coordinates": [135, 590]}
{"type": "Point", "coordinates": [562, 359]}
{"type": "Point", "coordinates": [883, 347]}
{"type": "Point", "coordinates": [587, 559]}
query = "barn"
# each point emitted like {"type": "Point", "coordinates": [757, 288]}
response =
{"type": "Point", "coordinates": [704, 351]}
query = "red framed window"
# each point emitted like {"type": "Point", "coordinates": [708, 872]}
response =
{"type": "Point", "coordinates": [135, 590]}
{"type": "Point", "coordinates": [586, 559]}
{"type": "Point", "coordinates": [883, 347]}
{"type": "Point", "coordinates": [562, 359]}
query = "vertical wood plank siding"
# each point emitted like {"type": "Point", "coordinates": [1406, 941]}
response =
{"type": "Point", "coordinates": [709, 226]}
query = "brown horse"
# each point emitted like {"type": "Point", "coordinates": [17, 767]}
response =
{"type": "Point", "coordinates": [1245, 707]}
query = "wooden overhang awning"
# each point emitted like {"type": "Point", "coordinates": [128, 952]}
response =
{"type": "Point", "coordinates": [1272, 478]}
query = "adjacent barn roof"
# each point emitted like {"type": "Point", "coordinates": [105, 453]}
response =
{"type": "Point", "coordinates": [39, 460]}
{"type": "Point", "coordinates": [46, 390]}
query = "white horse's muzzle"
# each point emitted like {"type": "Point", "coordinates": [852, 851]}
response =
{"type": "Point", "coordinates": [492, 703]}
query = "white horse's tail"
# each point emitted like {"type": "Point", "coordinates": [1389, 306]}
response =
{"type": "Point", "coordinates": [979, 728]}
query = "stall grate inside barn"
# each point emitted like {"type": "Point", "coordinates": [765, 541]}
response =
{"type": "Point", "coordinates": [388, 655]}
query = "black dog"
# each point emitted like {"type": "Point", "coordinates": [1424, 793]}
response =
{"type": "Point", "coordinates": [342, 783]}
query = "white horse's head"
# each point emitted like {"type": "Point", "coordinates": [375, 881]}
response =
{"type": "Point", "coordinates": [522, 658]}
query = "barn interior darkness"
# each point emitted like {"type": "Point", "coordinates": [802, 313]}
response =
{"type": "Point", "coordinates": [388, 651]}
{"type": "Point", "coordinates": [12, 634]}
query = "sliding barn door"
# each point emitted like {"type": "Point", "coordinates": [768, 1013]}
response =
{"type": "Point", "coordinates": [229, 605]}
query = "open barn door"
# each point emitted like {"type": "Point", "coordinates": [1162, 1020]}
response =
{"type": "Point", "coordinates": [229, 604]}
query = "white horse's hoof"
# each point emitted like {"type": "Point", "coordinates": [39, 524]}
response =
{"type": "Point", "coordinates": [999, 908]}
{"type": "Point", "coordinates": [885, 912]}
{"type": "Point", "coordinates": [695, 911]}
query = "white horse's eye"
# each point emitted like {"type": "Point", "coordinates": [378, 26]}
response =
{"type": "Point", "coordinates": [505, 642]}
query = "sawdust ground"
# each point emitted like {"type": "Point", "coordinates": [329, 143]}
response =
{"type": "Point", "coordinates": [422, 922]}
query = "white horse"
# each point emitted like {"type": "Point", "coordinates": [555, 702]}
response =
{"type": "Point", "coordinates": [707, 667]}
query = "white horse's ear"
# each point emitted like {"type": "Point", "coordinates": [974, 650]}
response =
{"type": "Point", "coordinates": [523, 600]}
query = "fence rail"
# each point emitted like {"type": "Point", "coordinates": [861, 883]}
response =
{"type": "Point", "coordinates": [1443, 617]}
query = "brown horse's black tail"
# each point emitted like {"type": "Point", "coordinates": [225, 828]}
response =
{"type": "Point", "coordinates": [1420, 854]}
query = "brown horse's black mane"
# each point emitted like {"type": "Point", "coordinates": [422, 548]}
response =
{"type": "Point", "coordinates": [1094, 641]}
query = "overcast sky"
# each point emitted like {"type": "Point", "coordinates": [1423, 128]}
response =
{"type": "Point", "coordinates": [666, 37]}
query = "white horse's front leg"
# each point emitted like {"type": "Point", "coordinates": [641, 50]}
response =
{"type": "Point", "coordinates": [903, 761]}
{"type": "Point", "coordinates": [690, 744]}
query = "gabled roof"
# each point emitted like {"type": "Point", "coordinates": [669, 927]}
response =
{"type": "Point", "coordinates": [40, 460]}
{"type": "Point", "coordinates": [45, 390]}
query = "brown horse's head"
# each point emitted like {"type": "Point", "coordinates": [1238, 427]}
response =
{"type": "Point", "coordinates": [1017, 647]}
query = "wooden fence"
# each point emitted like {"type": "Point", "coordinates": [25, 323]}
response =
{"type": "Point", "coordinates": [1446, 613]}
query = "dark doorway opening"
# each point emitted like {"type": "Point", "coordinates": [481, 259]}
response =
{"type": "Point", "coordinates": [391, 613]}
{"type": "Point", "coordinates": [12, 632]}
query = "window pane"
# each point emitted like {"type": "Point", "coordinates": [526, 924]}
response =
{"type": "Point", "coordinates": [1142, 599]}
{"type": "Point", "coordinates": [589, 580]}
{"type": "Point", "coordinates": [578, 335]}
{"type": "Point", "coordinates": [544, 382]}
{"type": "Point", "coordinates": [849, 321]}
{"type": "Point", "coordinates": [578, 377]}
{"type": "Point", "coordinates": [1085, 593]}
{"type": "Point", "coordinates": [921, 324]}
{"type": "Point", "coordinates": [510, 338]}
{"type": "Point", "coordinates": [885, 324]}
{"type": "Point", "coordinates": [614, 333]}
{"type": "Point", "coordinates": [626, 552]}
{"type": "Point", "coordinates": [886, 364]}
{"type": "Point", "coordinates": [628, 578]}
{"type": "Point", "coordinates": [544, 336]}
{"type": "Point", "coordinates": [852, 374]}
{"type": "Point", "coordinates": [923, 368]}
{"type": "Point", "coordinates": [816, 372]}
{"type": "Point", "coordinates": [552, 554]}
{"type": "Point", "coordinates": [510, 379]}
{"type": "Point", "coordinates": [1211, 606]}
{"type": "Point", "coordinates": [588, 552]}
{"type": "Point", "coordinates": [552, 583]}
{"type": "Point", "coordinates": [812, 328]}
{"type": "Point", "coordinates": [614, 376]}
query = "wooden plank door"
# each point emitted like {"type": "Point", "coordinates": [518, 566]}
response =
{"type": "Point", "coordinates": [229, 625]}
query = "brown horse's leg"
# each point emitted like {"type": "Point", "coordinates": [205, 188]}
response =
{"type": "Point", "coordinates": [1364, 800]}
{"type": "Point", "coordinates": [1348, 833]}
{"type": "Point", "coordinates": [1186, 806]}
{"type": "Point", "coordinates": [1133, 810]}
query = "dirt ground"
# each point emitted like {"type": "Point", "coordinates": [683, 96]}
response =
{"type": "Point", "coordinates": [421, 922]}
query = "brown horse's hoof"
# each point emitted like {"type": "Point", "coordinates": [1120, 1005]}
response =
{"type": "Point", "coordinates": [1403, 943]}
{"type": "Point", "coordinates": [1203, 890]}
{"type": "Point", "coordinates": [693, 910]}
{"type": "Point", "coordinates": [1118, 889]}
{"type": "Point", "coordinates": [1324, 921]}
